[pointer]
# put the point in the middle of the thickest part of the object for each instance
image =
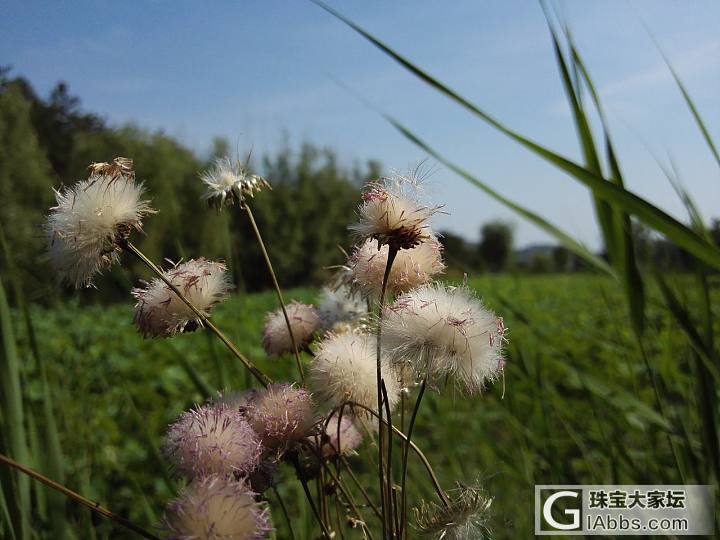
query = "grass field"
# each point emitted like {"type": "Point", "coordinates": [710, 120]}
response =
{"type": "Point", "coordinates": [578, 403]}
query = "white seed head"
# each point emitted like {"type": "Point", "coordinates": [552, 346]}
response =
{"type": "Point", "coordinates": [217, 508]}
{"type": "Point", "coordinates": [229, 184]}
{"type": "Point", "coordinates": [341, 308]}
{"type": "Point", "coordinates": [212, 439]}
{"type": "Point", "coordinates": [345, 369]}
{"type": "Point", "coordinates": [412, 267]}
{"type": "Point", "coordinates": [466, 517]}
{"type": "Point", "coordinates": [84, 228]}
{"type": "Point", "coordinates": [159, 312]}
{"type": "Point", "coordinates": [304, 321]}
{"type": "Point", "coordinates": [281, 414]}
{"type": "Point", "coordinates": [441, 330]}
{"type": "Point", "coordinates": [392, 213]}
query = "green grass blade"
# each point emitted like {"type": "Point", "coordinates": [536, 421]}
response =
{"type": "Point", "coordinates": [566, 240]}
{"type": "Point", "coordinates": [623, 244]}
{"type": "Point", "coordinates": [13, 418]}
{"type": "Point", "coordinates": [616, 195]}
{"type": "Point", "coordinates": [691, 105]}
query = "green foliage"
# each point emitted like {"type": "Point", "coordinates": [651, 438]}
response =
{"type": "Point", "coordinates": [496, 244]}
{"type": "Point", "coordinates": [49, 143]}
{"type": "Point", "coordinates": [578, 405]}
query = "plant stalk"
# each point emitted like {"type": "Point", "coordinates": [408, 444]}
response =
{"type": "Point", "coordinates": [94, 506]}
{"type": "Point", "coordinates": [261, 243]}
{"type": "Point", "coordinates": [259, 375]}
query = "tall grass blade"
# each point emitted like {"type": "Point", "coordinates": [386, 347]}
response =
{"type": "Point", "coordinates": [565, 240]}
{"type": "Point", "coordinates": [13, 421]}
{"type": "Point", "coordinates": [623, 244]}
{"type": "Point", "coordinates": [614, 194]}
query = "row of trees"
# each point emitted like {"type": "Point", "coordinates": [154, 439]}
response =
{"type": "Point", "coordinates": [47, 143]}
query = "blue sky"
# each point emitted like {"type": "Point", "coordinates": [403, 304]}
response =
{"type": "Point", "coordinates": [252, 70]}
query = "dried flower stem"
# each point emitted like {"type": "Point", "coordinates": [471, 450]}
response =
{"type": "Point", "coordinates": [308, 495]}
{"type": "Point", "coordinates": [259, 375]}
{"type": "Point", "coordinates": [385, 478]}
{"type": "Point", "coordinates": [406, 451]}
{"type": "Point", "coordinates": [95, 507]}
{"type": "Point", "coordinates": [261, 243]}
{"type": "Point", "coordinates": [360, 487]}
{"type": "Point", "coordinates": [433, 477]}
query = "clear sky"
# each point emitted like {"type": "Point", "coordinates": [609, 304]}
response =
{"type": "Point", "coordinates": [252, 70]}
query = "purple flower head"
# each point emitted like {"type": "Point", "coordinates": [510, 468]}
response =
{"type": "Point", "coordinates": [281, 414]}
{"type": "Point", "coordinates": [217, 508]}
{"type": "Point", "coordinates": [212, 439]}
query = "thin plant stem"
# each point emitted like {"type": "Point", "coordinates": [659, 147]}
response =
{"type": "Point", "coordinates": [392, 501]}
{"type": "Point", "coordinates": [363, 491]}
{"type": "Point", "coordinates": [385, 480]}
{"type": "Point", "coordinates": [406, 451]}
{"type": "Point", "coordinates": [414, 447]}
{"type": "Point", "coordinates": [261, 243]}
{"type": "Point", "coordinates": [259, 375]}
{"type": "Point", "coordinates": [284, 511]}
{"type": "Point", "coordinates": [324, 528]}
{"type": "Point", "coordinates": [94, 506]}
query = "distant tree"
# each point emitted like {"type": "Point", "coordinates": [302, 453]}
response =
{"type": "Point", "coordinates": [459, 254]}
{"type": "Point", "coordinates": [24, 188]}
{"type": "Point", "coordinates": [561, 259]}
{"type": "Point", "coordinates": [715, 231]}
{"type": "Point", "coordinates": [496, 244]}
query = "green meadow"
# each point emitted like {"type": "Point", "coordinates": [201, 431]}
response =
{"type": "Point", "coordinates": [576, 404]}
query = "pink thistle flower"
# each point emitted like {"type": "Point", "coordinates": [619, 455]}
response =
{"type": "Point", "coordinates": [281, 414]}
{"type": "Point", "coordinates": [217, 508]}
{"type": "Point", "coordinates": [159, 312]}
{"type": "Point", "coordinates": [336, 436]}
{"type": "Point", "coordinates": [412, 267]}
{"type": "Point", "coordinates": [212, 439]}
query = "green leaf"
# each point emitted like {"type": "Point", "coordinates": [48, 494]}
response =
{"type": "Point", "coordinates": [617, 195]}
{"type": "Point", "coordinates": [566, 240]}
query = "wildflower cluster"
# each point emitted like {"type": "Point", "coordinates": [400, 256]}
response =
{"type": "Point", "coordinates": [378, 330]}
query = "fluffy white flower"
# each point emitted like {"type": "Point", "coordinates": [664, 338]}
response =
{"type": "Point", "coordinates": [159, 312]}
{"type": "Point", "coordinates": [442, 330]}
{"type": "Point", "coordinates": [217, 508]}
{"type": "Point", "coordinates": [212, 439]}
{"type": "Point", "coordinates": [340, 307]}
{"type": "Point", "coordinates": [89, 219]}
{"type": "Point", "coordinates": [412, 267]}
{"type": "Point", "coordinates": [345, 369]}
{"type": "Point", "coordinates": [392, 213]}
{"type": "Point", "coordinates": [280, 414]}
{"type": "Point", "coordinates": [229, 184]}
{"type": "Point", "coordinates": [304, 321]}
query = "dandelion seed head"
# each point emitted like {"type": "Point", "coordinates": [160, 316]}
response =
{"type": "Point", "coordinates": [281, 414]}
{"type": "Point", "coordinates": [217, 508]}
{"type": "Point", "coordinates": [304, 321]}
{"type": "Point", "coordinates": [212, 439]}
{"type": "Point", "coordinates": [466, 518]}
{"type": "Point", "coordinates": [344, 369]}
{"type": "Point", "coordinates": [228, 184]}
{"type": "Point", "coordinates": [412, 267]}
{"type": "Point", "coordinates": [159, 312]}
{"type": "Point", "coordinates": [392, 213]}
{"type": "Point", "coordinates": [90, 219]}
{"type": "Point", "coordinates": [441, 330]}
